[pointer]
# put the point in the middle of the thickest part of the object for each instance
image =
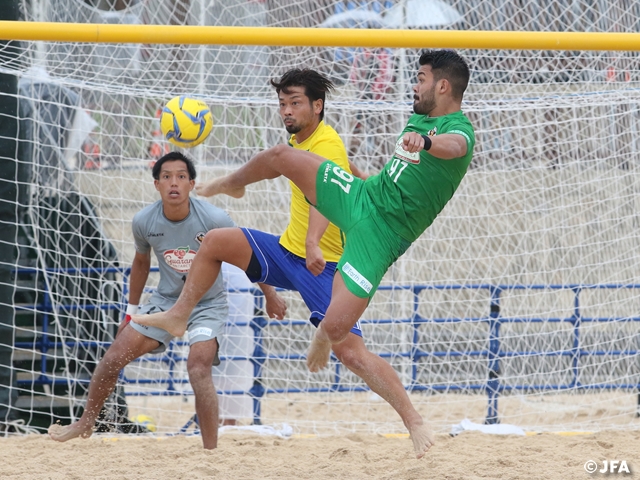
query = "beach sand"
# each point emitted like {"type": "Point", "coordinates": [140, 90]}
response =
{"type": "Point", "coordinates": [470, 455]}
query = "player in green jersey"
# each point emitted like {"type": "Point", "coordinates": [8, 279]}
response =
{"type": "Point", "coordinates": [380, 216]}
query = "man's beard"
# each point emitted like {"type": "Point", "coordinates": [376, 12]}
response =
{"type": "Point", "coordinates": [425, 106]}
{"type": "Point", "coordinates": [292, 128]}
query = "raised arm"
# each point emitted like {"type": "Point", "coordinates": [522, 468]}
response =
{"type": "Point", "coordinates": [446, 146]}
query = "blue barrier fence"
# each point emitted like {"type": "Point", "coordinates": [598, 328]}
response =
{"type": "Point", "coordinates": [492, 356]}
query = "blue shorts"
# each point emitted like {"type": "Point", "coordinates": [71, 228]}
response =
{"type": "Point", "coordinates": [282, 269]}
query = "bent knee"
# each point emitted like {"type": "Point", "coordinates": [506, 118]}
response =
{"type": "Point", "coordinates": [280, 150]}
{"type": "Point", "coordinates": [353, 360]}
{"type": "Point", "coordinates": [352, 352]}
{"type": "Point", "coordinates": [114, 361]}
{"type": "Point", "coordinates": [335, 331]}
{"type": "Point", "coordinates": [212, 238]}
{"type": "Point", "coordinates": [198, 372]}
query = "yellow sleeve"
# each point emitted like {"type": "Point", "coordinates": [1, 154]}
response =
{"type": "Point", "coordinates": [332, 149]}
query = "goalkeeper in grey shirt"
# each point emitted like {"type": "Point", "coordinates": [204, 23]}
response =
{"type": "Point", "coordinates": [173, 228]}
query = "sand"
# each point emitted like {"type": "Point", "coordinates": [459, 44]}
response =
{"type": "Point", "coordinates": [470, 455]}
{"type": "Point", "coordinates": [349, 436]}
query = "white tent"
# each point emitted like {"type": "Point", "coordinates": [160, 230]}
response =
{"type": "Point", "coordinates": [421, 14]}
{"type": "Point", "coordinates": [356, 18]}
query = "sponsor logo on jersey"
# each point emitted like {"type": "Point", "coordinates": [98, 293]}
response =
{"type": "Point", "coordinates": [200, 236]}
{"type": "Point", "coordinates": [179, 258]}
{"type": "Point", "coordinates": [401, 154]}
{"type": "Point", "coordinates": [153, 234]}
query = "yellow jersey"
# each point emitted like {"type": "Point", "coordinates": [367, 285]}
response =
{"type": "Point", "coordinates": [326, 142]}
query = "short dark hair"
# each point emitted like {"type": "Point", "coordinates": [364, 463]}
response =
{"type": "Point", "coordinates": [448, 64]}
{"type": "Point", "coordinates": [170, 157]}
{"type": "Point", "coordinates": [315, 84]}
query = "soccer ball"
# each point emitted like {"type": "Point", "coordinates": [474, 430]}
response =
{"type": "Point", "coordinates": [185, 121]}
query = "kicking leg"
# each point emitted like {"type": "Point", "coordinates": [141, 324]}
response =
{"type": "Point", "coordinates": [199, 365]}
{"type": "Point", "coordinates": [383, 380]}
{"type": "Point", "coordinates": [128, 345]}
{"type": "Point", "coordinates": [219, 186]}
{"type": "Point", "coordinates": [298, 166]}
{"type": "Point", "coordinates": [221, 244]}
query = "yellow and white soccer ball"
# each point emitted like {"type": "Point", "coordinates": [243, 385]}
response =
{"type": "Point", "coordinates": [186, 122]}
{"type": "Point", "coordinates": [146, 421]}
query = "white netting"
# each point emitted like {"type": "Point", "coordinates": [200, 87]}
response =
{"type": "Point", "coordinates": [488, 298]}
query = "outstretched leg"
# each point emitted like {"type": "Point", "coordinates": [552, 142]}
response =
{"type": "Point", "coordinates": [218, 186]}
{"type": "Point", "coordinates": [128, 345]}
{"type": "Point", "coordinates": [221, 244]}
{"type": "Point", "coordinates": [298, 166]}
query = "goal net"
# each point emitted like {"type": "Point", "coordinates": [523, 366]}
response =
{"type": "Point", "coordinates": [519, 305]}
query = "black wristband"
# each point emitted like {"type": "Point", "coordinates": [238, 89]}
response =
{"type": "Point", "coordinates": [427, 142]}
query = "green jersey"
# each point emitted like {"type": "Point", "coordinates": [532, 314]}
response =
{"type": "Point", "coordinates": [413, 188]}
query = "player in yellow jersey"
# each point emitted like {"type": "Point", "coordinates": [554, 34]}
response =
{"type": "Point", "coordinates": [304, 258]}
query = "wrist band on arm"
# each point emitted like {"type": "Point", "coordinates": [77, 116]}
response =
{"type": "Point", "coordinates": [427, 142]}
{"type": "Point", "coordinates": [131, 310]}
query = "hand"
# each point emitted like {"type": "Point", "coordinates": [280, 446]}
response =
{"type": "Point", "coordinates": [315, 260]}
{"type": "Point", "coordinates": [276, 306]}
{"type": "Point", "coordinates": [412, 142]}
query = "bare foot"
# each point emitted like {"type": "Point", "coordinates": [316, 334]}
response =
{"type": "Point", "coordinates": [218, 186]}
{"type": "Point", "coordinates": [61, 433]}
{"type": "Point", "coordinates": [175, 326]}
{"type": "Point", "coordinates": [318, 355]}
{"type": "Point", "coordinates": [423, 439]}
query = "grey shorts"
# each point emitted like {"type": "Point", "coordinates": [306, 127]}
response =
{"type": "Point", "coordinates": [206, 322]}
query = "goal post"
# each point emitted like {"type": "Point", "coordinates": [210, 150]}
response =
{"type": "Point", "coordinates": [519, 305]}
{"type": "Point", "coordinates": [321, 37]}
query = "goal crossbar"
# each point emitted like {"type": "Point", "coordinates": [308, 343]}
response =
{"type": "Point", "coordinates": [318, 37]}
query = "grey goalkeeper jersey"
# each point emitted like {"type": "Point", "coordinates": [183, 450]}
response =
{"type": "Point", "coordinates": [176, 243]}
